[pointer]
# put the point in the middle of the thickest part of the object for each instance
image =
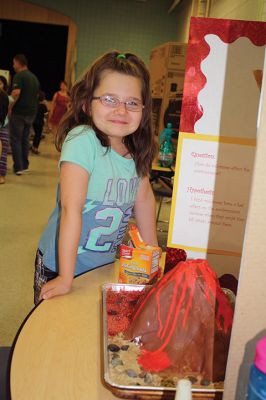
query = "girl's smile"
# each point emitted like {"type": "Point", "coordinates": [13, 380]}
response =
{"type": "Point", "coordinates": [115, 121]}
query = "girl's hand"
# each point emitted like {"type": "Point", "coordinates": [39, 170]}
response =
{"type": "Point", "coordinates": [55, 287]}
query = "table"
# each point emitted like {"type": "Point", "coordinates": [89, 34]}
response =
{"type": "Point", "coordinates": [163, 175]}
{"type": "Point", "coordinates": [57, 355]}
{"type": "Point", "coordinates": [58, 351]}
{"type": "Point", "coordinates": [157, 167]}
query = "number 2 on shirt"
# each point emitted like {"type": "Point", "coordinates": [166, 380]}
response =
{"type": "Point", "coordinates": [93, 242]}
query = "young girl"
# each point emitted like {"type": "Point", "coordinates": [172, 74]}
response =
{"type": "Point", "coordinates": [107, 150]}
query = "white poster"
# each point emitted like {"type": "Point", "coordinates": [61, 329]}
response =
{"type": "Point", "coordinates": [211, 193]}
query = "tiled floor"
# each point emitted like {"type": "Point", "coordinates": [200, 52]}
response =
{"type": "Point", "coordinates": [25, 205]}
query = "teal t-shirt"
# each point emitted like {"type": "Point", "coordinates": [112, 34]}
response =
{"type": "Point", "coordinates": [113, 184]}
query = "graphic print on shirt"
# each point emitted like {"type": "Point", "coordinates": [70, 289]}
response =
{"type": "Point", "coordinates": [105, 222]}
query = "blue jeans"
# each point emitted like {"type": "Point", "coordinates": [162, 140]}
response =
{"type": "Point", "coordinates": [19, 126]}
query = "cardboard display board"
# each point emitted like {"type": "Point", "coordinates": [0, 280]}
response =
{"type": "Point", "coordinates": [211, 197]}
{"type": "Point", "coordinates": [167, 71]}
{"type": "Point", "coordinates": [225, 59]}
{"type": "Point", "coordinates": [249, 320]}
{"type": "Point", "coordinates": [167, 58]}
{"type": "Point", "coordinates": [220, 64]}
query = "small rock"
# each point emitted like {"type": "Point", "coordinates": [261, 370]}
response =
{"type": "Point", "coordinates": [115, 355]}
{"type": "Point", "coordinates": [148, 379]}
{"type": "Point", "coordinates": [116, 361]}
{"type": "Point", "coordinates": [142, 374]}
{"type": "Point", "coordinates": [205, 382]}
{"type": "Point", "coordinates": [113, 347]}
{"type": "Point", "coordinates": [192, 379]}
{"type": "Point", "coordinates": [125, 347]}
{"type": "Point", "coordinates": [131, 373]}
{"type": "Point", "coordinates": [167, 383]}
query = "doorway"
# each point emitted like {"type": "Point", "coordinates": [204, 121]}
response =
{"type": "Point", "coordinates": [44, 45]}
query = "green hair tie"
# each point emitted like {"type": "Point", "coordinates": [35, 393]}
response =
{"type": "Point", "coordinates": [120, 56]}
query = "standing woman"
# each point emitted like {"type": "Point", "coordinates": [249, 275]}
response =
{"type": "Point", "coordinates": [59, 106]}
{"type": "Point", "coordinates": [4, 136]}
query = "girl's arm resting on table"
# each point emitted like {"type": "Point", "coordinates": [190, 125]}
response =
{"type": "Point", "coordinates": [145, 212]}
{"type": "Point", "coordinates": [73, 186]}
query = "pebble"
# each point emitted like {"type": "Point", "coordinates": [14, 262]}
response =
{"type": "Point", "coordinates": [205, 382]}
{"type": "Point", "coordinates": [116, 361]}
{"type": "Point", "coordinates": [142, 374]}
{"type": "Point", "coordinates": [148, 379]}
{"type": "Point", "coordinates": [131, 373]}
{"type": "Point", "coordinates": [167, 383]}
{"type": "Point", "coordinates": [192, 379]}
{"type": "Point", "coordinates": [113, 347]}
{"type": "Point", "coordinates": [125, 347]}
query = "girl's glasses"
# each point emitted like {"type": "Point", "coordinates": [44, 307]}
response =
{"type": "Point", "coordinates": [114, 102]}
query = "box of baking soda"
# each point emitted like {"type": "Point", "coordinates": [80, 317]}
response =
{"type": "Point", "coordinates": [139, 262]}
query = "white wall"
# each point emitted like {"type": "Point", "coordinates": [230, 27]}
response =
{"type": "Point", "coordinates": [184, 12]}
{"type": "Point", "coordinates": [250, 10]}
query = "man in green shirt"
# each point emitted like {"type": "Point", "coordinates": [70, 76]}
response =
{"type": "Point", "coordinates": [25, 90]}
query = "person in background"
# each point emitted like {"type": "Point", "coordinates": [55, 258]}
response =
{"type": "Point", "coordinates": [4, 135]}
{"type": "Point", "coordinates": [59, 106]}
{"type": "Point", "coordinates": [25, 89]}
{"type": "Point", "coordinates": [107, 147]}
{"type": "Point", "coordinates": [3, 84]}
{"type": "Point", "coordinates": [38, 123]}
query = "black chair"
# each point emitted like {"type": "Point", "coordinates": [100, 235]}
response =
{"type": "Point", "coordinates": [4, 359]}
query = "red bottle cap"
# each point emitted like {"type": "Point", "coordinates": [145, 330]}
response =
{"type": "Point", "coordinates": [260, 356]}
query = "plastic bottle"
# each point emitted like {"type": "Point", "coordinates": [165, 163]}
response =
{"type": "Point", "coordinates": [168, 131]}
{"type": "Point", "coordinates": [183, 390]}
{"type": "Point", "coordinates": [257, 377]}
{"type": "Point", "coordinates": [166, 153]}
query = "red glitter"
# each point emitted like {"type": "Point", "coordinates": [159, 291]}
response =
{"type": "Point", "coordinates": [173, 256]}
{"type": "Point", "coordinates": [120, 307]}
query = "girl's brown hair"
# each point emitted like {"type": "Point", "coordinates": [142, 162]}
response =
{"type": "Point", "coordinates": [140, 143]}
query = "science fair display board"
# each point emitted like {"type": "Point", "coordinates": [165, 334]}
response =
{"type": "Point", "coordinates": [217, 142]}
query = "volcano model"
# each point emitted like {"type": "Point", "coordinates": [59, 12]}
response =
{"type": "Point", "coordinates": [184, 324]}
